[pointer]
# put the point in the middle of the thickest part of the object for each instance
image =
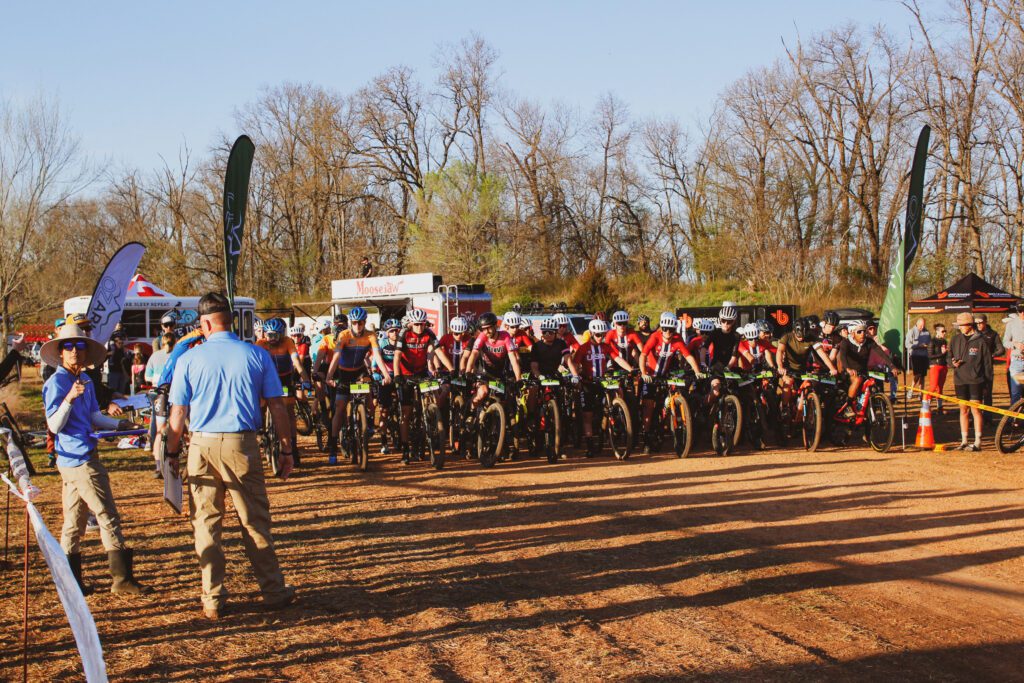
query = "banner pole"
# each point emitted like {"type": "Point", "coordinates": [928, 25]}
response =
{"type": "Point", "coordinates": [24, 626]}
{"type": "Point", "coordinates": [7, 527]}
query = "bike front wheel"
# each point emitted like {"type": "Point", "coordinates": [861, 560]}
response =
{"type": "Point", "coordinates": [811, 425]}
{"type": "Point", "coordinates": [435, 435]}
{"type": "Point", "coordinates": [881, 423]}
{"type": "Point", "coordinates": [490, 439]}
{"type": "Point", "coordinates": [360, 442]}
{"type": "Point", "coordinates": [551, 430]}
{"type": "Point", "coordinates": [1010, 432]}
{"type": "Point", "coordinates": [681, 422]}
{"type": "Point", "coordinates": [619, 428]}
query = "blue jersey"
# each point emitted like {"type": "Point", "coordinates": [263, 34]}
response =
{"type": "Point", "coordinates": [189, 341]}
{"type": "Point", "coordinates": [387, 350]}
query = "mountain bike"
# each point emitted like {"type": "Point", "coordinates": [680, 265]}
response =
{"type": "Point", "coordinates": [871, 412]}
{"type": "Point", "coordinates": [270, 444]}
{"type": "Point", "coordinates": [1010, 432]}
{"type": "Point", "coordinates": [431, 424]}
{"type": "Point", "coordinates": [354, 437]}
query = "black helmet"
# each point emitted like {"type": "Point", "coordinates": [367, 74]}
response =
{"type": "Point", "coordinates": [831, 318]}
{"type": "Point", "coordinates": [487, 319]}
{"type": "Point", "coordinates": [800, 327]}
{"type": "Point", "coordinates": [813, 327]}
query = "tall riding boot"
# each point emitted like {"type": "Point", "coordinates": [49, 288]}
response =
{"type": "Point", "coordinates": [122, 571]}
{"type": "Point", "coordinates": [75, 560]}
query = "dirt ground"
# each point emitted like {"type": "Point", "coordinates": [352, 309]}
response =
{"type": "Point", "coordinates": [840, 565]}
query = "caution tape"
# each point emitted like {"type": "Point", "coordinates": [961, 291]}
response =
{"type": "Point", "coordinates": [972, 404]}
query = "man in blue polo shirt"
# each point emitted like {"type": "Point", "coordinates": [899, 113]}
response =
{"type": "Point", "coordinates": [72, 413]}
{"type": "Point", "coordinates": [220, 385]}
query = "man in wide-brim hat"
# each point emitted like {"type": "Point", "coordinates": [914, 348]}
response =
{"type": "Point", "coordinates": [72, 414]}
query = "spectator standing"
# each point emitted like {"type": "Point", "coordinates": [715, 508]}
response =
{"type": "Point", "coordinates": [220, 385]}
{"type": "Point", "coordinates": [118, 364]}
{"type": "Point", "coordinates": [365, 267]}
{"type": "Point", "coordinates": [72, 413]}
{"type": "Point", "coordinates": [938, 362]}
{"type": "Point", "coordinates": [995, 347]}
{"type": "Point", "coordinates": [168, 323]}
{"type": "Point", "coordinates": [971, 359]}
{"type": "Point", "coordinates": [1013, 342]}
{"type": "Point", "coordinates": [918, 343]}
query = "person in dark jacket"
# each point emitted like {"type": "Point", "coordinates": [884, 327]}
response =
{"type": "Point", "coordinates": [971, 359]}
{"type": "Point", "coordinates": [995, 347]}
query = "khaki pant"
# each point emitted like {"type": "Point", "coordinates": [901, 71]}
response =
{"type": "Point", "coordinates": [85, 488]}
{"type": "Point", "coordinates": [219, 462]}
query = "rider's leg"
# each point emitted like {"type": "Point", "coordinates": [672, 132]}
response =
{"type": "Point", "coordinates": [294, 433]}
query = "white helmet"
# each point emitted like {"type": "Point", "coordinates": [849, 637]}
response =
{"type": "Point", "coordinates": [525, 323]}
{"type": "Point", "coordinates": [560, 319]}
{"type": "Point", "coordinates": [668, 319]}
{"type": "Point", "coordinates": [417, 315]}
{"type": "Point", "coordinates": [750, 331]}
{"type": "Point", "coordinates": [300, 328]}
{"type": "Point", "coordinates": [597, 326]}
{"type": "Point", "coordinates": [296, 329]}
{"type": "Point", "coordinates": [620, 317]}
{"type": "Point", "coordinates": [257, 324]}
{"type": "Point", "coordinates": [728, 313]}
{"type": "Point", "coordinates": [511, 320]}
{"type": "Point", "coordinates": [681, 326]}
{"type": "Point", "coordinates": [458, 325]}
{"type": "Point", "coordinates": [324, 326]}
{"type": "Point", "coordinates": [704, 325]}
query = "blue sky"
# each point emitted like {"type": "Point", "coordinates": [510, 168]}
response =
{"type": "Point", "coordinates": [139, 79]}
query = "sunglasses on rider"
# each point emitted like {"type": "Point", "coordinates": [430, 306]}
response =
{"type": "Point", "coordinates": [484, 328]}
{"type": "Point", "coordinates": [548, 332]}
{"type": "Point", "coordinates": [73, 346]}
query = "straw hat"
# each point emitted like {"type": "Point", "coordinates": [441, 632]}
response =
{"type": "Point", "coordinates": [95, 353]}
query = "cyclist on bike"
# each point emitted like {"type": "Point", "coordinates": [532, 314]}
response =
{"type": "Point", "coordinates": [513, 323]}
{"type": "Point", "coordinates": [257, 329]}
{"type": "Point", "coordinates": [855, 355]}
{"type": "Point", "coordinates": [723, 343]}
{"type": "Point", "coordinates": [457, 343]}
{"type": "Point", "coordinates": [794, 353]}
{"type": "Point", "coordinates": [592, 358]}
{"type": "Point", "coordinates": [302, 347]}
{"type": "Point", "coordinates": [168, 325]}
{"type": "Point", "coordinates": [415, 346]}
{"type": "Point", "coordinates": [286, 360]}
{"type": "Point", "coordinates": [628, 342]}
{"type": "Point", "coordinates": [347, 367]}
{"type": "Point", "coordinates": [496, 353]}
{"type": "Point", "coordinates": [385, 393]}
{"type": "Point", "coordinates": [550, 353]}
{"type": "Point", "coordinates": [763, 347]}
{"type": "Point", "coordinates": [565, 332]}
{"type": "Point", "coordinates": [661, 356]}
{"type": "Point", "coordinates": [830, 336]}
{"type": "Point", "coordinates": [643, 327]}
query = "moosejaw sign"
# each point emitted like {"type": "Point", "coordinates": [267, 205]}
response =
{"type": "Point", "coordinates": [386, 286]}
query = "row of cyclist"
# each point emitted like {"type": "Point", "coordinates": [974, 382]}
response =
{"type": "Point", "coordinates": [499, 391]}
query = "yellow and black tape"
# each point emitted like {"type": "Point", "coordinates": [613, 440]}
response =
{"type": "Point", "coordinates": [972, 404]}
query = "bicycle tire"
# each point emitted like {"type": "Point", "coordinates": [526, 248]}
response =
{"type": "Point", "coordinates": [681, 423]}
{"type": "Point", "coordinates": [271, 444]}
{"type": "Point", "coordinates": [361, 443]}
{"type": "Point", "coordinates": [551, 430]}
{"type": "Point", "coordinates": [881, 423]}
{"type": "Point", "coordinates": [491, 434]}
{"type": "Point", "coordinates": [303, 418]}
{"type": "Point", "coordinates": [810, 427]}
{"type": "Point", "coordinates": [619, 428]}
{"type": "Point", "coordinates": [1010, 432]}
{"type": "Point", "coordinates": [435, 435]}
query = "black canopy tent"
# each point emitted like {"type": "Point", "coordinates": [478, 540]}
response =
{"type": "Point", "coordinates": [971, 294]}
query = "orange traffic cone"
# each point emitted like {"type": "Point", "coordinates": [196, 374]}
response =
{"type": "Point", "coordinates": [925, 436]}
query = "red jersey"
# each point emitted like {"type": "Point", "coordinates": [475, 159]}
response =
{"type": "Point", "coordinates": [455, 348]}
{"type": "Point", "coordinates": [523, 341]}
{"type": "Point", "coordinates": [626, 342]}
{"type": "Point", "coordinates": [494, 353]}
{"type": "Point", "coordinates": [662, 353]}
{"type": "Point", "coordinates": [415, 350]}
{"type": "Point", "coordinates": [592, 358]}
{"type": "Point", "coordinates": [571, 341]}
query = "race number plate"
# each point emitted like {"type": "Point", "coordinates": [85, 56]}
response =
{"type": "Point", "coordinates": [677, 382]}
{"type": "Point", "coordinates": [497, 387]}
{"type": "Point", "coordinates": [284, 391]}
{"type": "Point", "coordinates": [428, 386]}
{"type": "Point", "coordinates": [610, 383]}
{"type": "Point", "coordinates": [810, 378]}
{"type": "Point", "coordinates": [547, 382]}
{"type": "Point", "coordinates": [827, 380]}
{"type": "Point", "coordinates": [765, 374]}
{"type": "Point", "coordinates": [359, 388]}
{"type": "Point", "coordinates": [880, 376]}
{"type": "Point", "coordinates": [731, 375]}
